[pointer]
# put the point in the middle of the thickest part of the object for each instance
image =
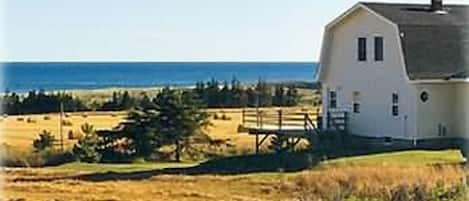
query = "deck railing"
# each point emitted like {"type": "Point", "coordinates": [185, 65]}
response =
{"type": "Point", "coordinates": [280, 119]}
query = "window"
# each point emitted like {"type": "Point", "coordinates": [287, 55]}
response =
{"type": "Point", "coordinates": [356, 101]}
{"type": "Point", "coordinates": [361, 49]}
{"type": "Point", "coordinates": [395, 104]}
{"type": "Point", "coordinates": [332, 99]}
{"type": "Point", "coordinates": [379, 52]}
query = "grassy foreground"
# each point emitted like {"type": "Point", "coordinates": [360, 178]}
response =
{"type": "Point", "coordinates": [381, 176]}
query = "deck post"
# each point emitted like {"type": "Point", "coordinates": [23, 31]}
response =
{"type": "Point", "coordinates": [306, 122]}
{"type": "Point", "coordinates": [257, 143]}
{"type": "Point", "coordinates": [243, 116]}
{"type": "Point", "coordinates": [328, 123]}
{"type": "Point", "coordinates": [280, 119]}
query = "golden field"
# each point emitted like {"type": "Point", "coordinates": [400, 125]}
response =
{"type": "Point", "coordinates": [19, 133]}
{"type": "Point", "coordinates": [359, 176]}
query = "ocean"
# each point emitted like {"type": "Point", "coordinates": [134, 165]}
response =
{"type": "Point", "coordinates": [22, 77]}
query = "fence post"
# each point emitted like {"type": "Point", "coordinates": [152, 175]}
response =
{"type": "Point", "coordinates": [261, 119]}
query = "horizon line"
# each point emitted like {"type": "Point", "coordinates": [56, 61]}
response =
{"type": "Point", "coordinates": [132, 61]}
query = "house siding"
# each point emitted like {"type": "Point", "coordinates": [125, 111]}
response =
{"type": "Point", "coordinates": [438, 111]}
{"type": "Point", "coordinates": [376, 81]}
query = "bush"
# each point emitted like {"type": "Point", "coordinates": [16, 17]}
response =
{"type": "Point", "coordinates": [242, 129]}
{"type": "Point", "coordinates": [45, 140]}
{"type": "Point", "coordinates": [47, 157]}
{"type": "Point", "coordinates": [215, 116]}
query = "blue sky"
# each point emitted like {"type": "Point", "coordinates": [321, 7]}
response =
{"type": "Point", "coordinates": [169, 30]}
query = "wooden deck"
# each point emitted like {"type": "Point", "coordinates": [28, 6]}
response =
{"type": "Point", "coordinates": [292, 124]}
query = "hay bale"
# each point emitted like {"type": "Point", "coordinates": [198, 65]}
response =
{"type": "Point", "coordinates": [20, 119]}
{"type": "Point", "coordinates": [31, 121]}
{"type": "Point", "coordinates": [46, 118]}
{"type": "Point", "coordinates": [66, 123]}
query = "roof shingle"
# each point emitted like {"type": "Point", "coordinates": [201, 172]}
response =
{"type": "Point", "coordinates": [435, 46]}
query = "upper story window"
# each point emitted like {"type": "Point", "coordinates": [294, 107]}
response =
{"type": "Point", "coordinates": [361, 49]}
{"type": "Point", "coordinates": [379, 51]}
{"type": "Point", "coordinates": [332, 99]}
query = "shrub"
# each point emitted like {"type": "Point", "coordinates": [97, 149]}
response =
{"type": "Point", "coordinates": [242, 129]}
{"type": "Point", "coordinates": [47, 157]}
{"type": "Point", "coordinates": [45, 140]}
{"type": "Point", "coordinates": [215, 116]}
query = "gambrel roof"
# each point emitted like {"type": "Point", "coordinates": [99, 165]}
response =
{"type": "Point", "coordinates": [435, 44]}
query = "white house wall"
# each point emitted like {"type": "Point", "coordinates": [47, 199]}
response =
{"type": "Point", "coordinates": [376, 81]}
{"type": "Point", "coordinates": [439, 110]}
{"type": "Point", "coordinates": [461, 110]}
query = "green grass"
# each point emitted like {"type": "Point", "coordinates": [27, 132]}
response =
{"type": "Point", "coordinates": [392, 158]}
{"type": "Point", "coordinates": [131, 167]}
{"type": "Point", "coordinates": [402, 158]}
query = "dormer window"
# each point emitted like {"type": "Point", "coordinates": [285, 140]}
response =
{"type": "Point", "coordinates": [361, 49]}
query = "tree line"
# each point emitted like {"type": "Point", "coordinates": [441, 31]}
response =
{"type": "Point", "coordinates": [40, 102]}
{"type": "Point", "coordinates": [212, 94]}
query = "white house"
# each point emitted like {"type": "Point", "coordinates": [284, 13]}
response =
{"type": "Point", "coordinates": [401, 71]}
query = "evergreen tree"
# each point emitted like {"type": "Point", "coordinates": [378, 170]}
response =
{"type": "Point", "coordinates": [292, 97]}
{"type": "Point", "coordinates": [279, 96]}
{"type": "Point", "coordinates": [264, 94]}
{"type": "Point", "coordinates": [86, 150]}
{"type": "Point", "coordinates": [179, 117]}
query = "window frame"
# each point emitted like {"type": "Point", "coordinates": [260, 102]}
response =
{"type": "Point", "coordinates": [362, 49]}
{"type": "Point", "coordinates": [356, 102]}
{"type": "Point", "coordinates": [395, 104]}
{"type": "Point", "coordinates": [332, 99]}
{"type": "Point", "coordinates": [379, 48]}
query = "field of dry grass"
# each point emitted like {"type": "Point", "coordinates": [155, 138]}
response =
{"type": "Point", "coordinates": [365, 177]}
{"type": "Point", "coordinates": [19, 131]}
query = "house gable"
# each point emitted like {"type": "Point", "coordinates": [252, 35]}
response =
{"type": "Point", "coordinates": [375, 81]}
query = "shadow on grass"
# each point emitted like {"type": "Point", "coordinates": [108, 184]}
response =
{"type": "Point", "coordinates": [284, 162]}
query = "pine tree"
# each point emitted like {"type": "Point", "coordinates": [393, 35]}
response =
{"type": "Point", "coordinates": [179, 117]}
{"type": "Point", "coordinates": [86, 148]}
